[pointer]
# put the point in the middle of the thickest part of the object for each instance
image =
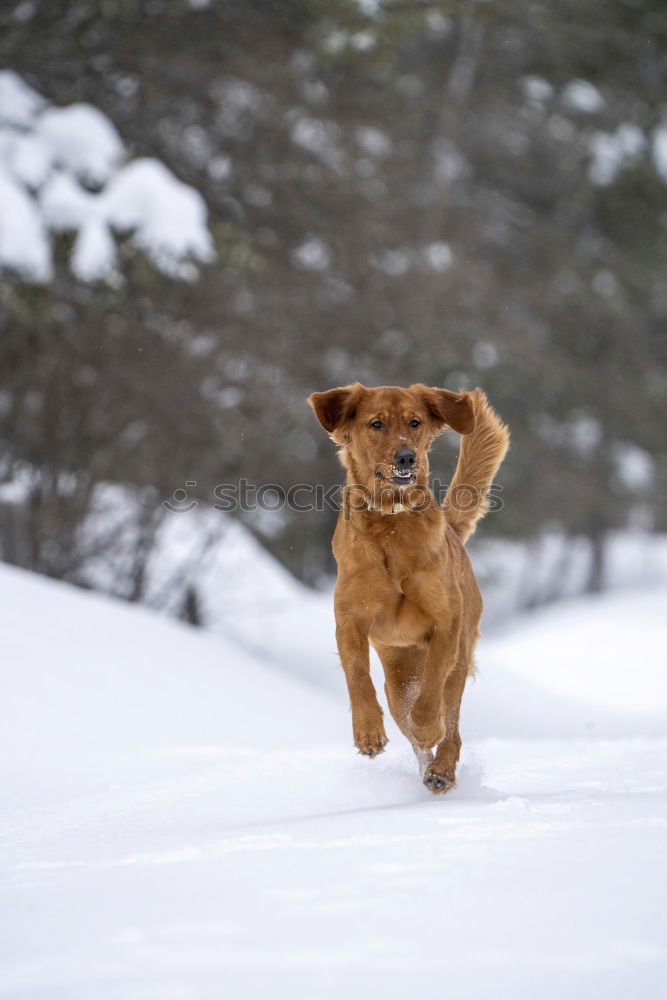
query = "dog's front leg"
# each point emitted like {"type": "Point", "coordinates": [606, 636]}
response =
{"type": "Point", "coordinates": [427, 721]}
{"type": "Point", "coordinates": [367, 721]}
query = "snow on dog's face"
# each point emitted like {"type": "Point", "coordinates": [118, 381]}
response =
{"type": "Point", "coordinates": [385, 433]}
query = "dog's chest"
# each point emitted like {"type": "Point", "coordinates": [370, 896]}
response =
{"type": "Point", "coordinates": [405, 552]}
{"type": "Point", "coordinates": [404, 614]}
{"type": "Point", "coordinates": [408, 590]}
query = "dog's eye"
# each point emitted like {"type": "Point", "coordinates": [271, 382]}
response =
{"type": "Point", "coordinates": [415, 423]}
{"type": "Point", "coordinates": [377, 425]}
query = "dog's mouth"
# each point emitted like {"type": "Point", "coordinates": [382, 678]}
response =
{"type": "Point", "coordinates": [400, 477]}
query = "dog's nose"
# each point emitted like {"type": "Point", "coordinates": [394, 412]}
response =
{"type": "Point", "coordinates": [405, 458]}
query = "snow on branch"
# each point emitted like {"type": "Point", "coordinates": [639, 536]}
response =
{"type": "Point", "coordinates": [63, 170]}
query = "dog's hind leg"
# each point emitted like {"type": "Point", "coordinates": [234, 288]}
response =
{"type": "Point", "coordinates": [440, 775]}
{"type": "Point", "coordinates": [403, 666]}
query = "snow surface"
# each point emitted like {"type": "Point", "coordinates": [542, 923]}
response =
{"type": "Point", "coordinates": [184, 819]}
{"type": "Point", "coordinates": [612, 152]}
{"type": "Point", "coordinates": [19, 103]}
{"type": "Point", "coordinates": [660, 151]}
{"type": "Point", "coordinates": [23, 238]}
{"type": "Point", "coordinates": [51, 158]}
{"type": "Point", "coordinates": [536, 88]}
{"type": "Point", "coordinates": [82, 140]}
{"type": "Point", "coordinates": [581, 95]}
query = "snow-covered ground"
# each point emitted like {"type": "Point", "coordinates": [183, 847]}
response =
{"type": "Point", "coordinates": [184, 817]}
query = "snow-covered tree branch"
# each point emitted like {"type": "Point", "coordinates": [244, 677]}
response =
{"type": "Point", "coordinates": [66, 170]}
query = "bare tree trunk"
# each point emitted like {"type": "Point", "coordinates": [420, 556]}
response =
{"type": "Point", "coordinates": [190, 611]}
{"type": "Point", "coordinates": [596, 572]}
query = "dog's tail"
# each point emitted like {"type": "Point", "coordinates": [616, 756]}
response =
{"type": "Point", "coordinates": [481, 453]}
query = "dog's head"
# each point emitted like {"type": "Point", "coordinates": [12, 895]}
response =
{"type": "Point", "coordinates": [385, 433]}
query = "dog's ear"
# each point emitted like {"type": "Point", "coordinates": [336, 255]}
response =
{"type": "Point", "coordinates": [336, 407]}
{"type": "Point", "coordinates": [454, 409]}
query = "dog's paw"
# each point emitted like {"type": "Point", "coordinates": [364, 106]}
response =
{"type": "Point", "coordinates": [371, 741]}
{"type": "Point", "coordinates": [438, 782]}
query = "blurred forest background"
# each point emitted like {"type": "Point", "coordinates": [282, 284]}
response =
{"type": "Point", "coordinates": [397, 191]}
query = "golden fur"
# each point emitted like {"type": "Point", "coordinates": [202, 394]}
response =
{"type": "Point", "coordinates": [405, 584]}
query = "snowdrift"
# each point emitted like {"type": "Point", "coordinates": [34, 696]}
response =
{"type": "Point", "coordinates": [184, 817]}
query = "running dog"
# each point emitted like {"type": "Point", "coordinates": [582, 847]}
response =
{"type": "Point", "coordinates": [405, 584]}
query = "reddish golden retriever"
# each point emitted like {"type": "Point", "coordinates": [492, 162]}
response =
{"type": "Point", "coordinates": [405, 584]}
